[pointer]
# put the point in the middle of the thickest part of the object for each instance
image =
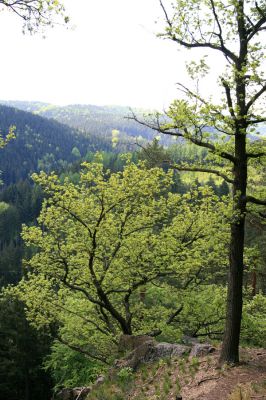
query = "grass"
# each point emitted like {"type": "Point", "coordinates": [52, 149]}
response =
{"type": "Point", "coordinates": [115, 389]}
{"type": "Point", "coordinates": [240, 393]}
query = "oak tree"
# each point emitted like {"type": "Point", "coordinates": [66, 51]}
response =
{"type": "Point", "coordinates": [103, 248]}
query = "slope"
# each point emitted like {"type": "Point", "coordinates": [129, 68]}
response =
{"type": "Point", "coordinates": [97, 120]}
{"type": "Point", "coordinates": [41, 144]}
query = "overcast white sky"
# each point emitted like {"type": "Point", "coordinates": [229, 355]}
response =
{"type": "Point", "coordinates": [111, 57]}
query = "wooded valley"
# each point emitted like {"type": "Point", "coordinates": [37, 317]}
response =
{"type": "Point", "coordinates": [133, 241]}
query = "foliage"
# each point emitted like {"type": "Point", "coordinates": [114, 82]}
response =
{"type": "Point", "coordinates": [10, 135]}
{"type": "Point", "coordinates": [69, 368]}
{"type": "Point", "coordinates": [75, 151]}
{"type": "Point", "coordinates": [154, 154]}
{"type": "Point", "coordinates": [36, 13]}
{"type": "Point", "coordinates": [201, 317]}
{"type": "Point", "coordinates": [125, 374]}
{"type": "Point", "coordinates": [103, 244]}
{"type": "Point", "coordinates": [254, 321]}
{"type": "Point", "coordinates": [22, 351]}
{"type": "Point", "coordinates": [19, 203]}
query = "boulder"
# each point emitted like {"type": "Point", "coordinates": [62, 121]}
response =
{"type": "Point", "coordinates": [78, 393]}
{"type": "Point", "coordinates": [201, 349]}
{"type": "Point", "coordinates": [165, 350]}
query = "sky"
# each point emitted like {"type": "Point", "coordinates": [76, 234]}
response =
{"type": "Point", "coordinates": [109, 55]}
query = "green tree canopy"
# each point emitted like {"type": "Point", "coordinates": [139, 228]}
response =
{"type": "Point", "coordinates": [104, 246]}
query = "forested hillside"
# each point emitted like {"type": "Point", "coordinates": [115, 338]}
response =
{"type": "Point", "coordinates": [96, 120]}
{"type": "Point", "coordinates": [41, 144]}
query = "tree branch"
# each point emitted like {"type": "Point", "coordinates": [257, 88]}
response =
{"type": "Point", "coordinates": [175, 314]}
{"type": "Point", "coordinates": [186, 135]}
{"type": "Point", "coordinates": [194, 44]}
{"type": "Point", "coordinates": [255, 97]}
{"type": "Point", "coordinates": [77, 218]}
{"type": "Point", "coordinates": [200, 169]}
{"type": "Point", "coordinates": [229, 98]}
{"type": "Point", "coordinates": [82, 351]}
{"type": "Point", "coordinates": [256, 121]}
{"type": "Point", "coordinates": [258, 26]}
{"type": "Point", "coordinates": [254, 200]}
{"type": "Point", "coordinates": [256, 155]}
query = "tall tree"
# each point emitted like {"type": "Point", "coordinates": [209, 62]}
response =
{"type": "Point", "coordinates": [233, 29]}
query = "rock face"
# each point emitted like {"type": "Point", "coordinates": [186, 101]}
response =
{"type": "Point", "coordinates": [164, 350]}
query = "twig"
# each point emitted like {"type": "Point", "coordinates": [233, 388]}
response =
{"type": "Point", "coordinates": [82, 390]}
{"type": "Point", "coordinates": [210, 378]}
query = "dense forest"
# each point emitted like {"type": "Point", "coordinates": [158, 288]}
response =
{"type": "Point", "coordinates": [99, 121]}
{"type": "Point", "coordinates": [41, 144]}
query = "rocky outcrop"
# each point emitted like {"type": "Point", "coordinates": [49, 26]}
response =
{"type": "Point", "coordinates": [135, 351]}
{"type": "Point", "coordinates": [145, 349]}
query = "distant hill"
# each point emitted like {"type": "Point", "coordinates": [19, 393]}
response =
{"type": "Point", "coordinates": [96, 120]}
{"type": "Point", "coordinates": [41, 144]}
{"type": "Point", "coordinates": [102, 120]}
